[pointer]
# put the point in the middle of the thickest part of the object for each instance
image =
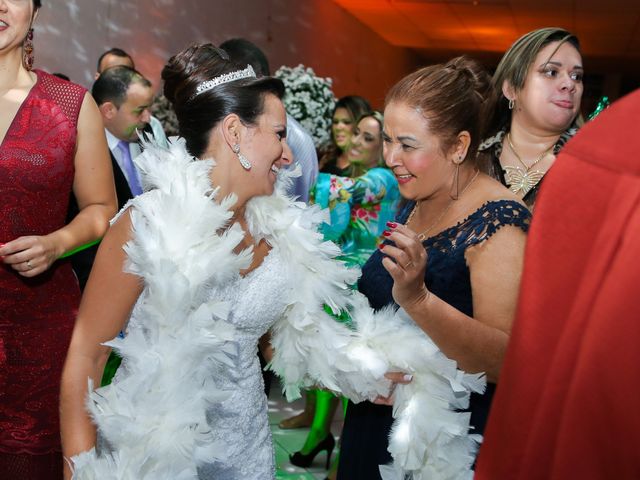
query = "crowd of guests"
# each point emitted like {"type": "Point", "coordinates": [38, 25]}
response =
{"type": "Point", "coordinates": [432, 198]}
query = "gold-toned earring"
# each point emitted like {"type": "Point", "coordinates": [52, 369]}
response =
{"type": "Point", "coordinates": [456, 182]}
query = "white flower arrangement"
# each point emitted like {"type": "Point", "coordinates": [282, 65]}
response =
{"type": "Point", "coordinates": [310, 100]}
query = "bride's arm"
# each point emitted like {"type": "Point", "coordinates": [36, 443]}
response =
{"type": "Point", "coordinates": [106, 305]}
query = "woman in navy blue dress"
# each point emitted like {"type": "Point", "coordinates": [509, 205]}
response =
{"type": "Point", "coordinates": [454, 256]}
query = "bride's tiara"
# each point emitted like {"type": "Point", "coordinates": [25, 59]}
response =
{"type": "Point", "coordinates": [225, 78]}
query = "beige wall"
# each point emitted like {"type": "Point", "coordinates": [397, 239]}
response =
{"type": "Point", "coordinates": [70, 35]}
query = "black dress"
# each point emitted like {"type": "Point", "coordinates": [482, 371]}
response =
{"type": "Point", "coordinates": [333, 169]}
{"type": "Point", "coordinates": [367, 426]}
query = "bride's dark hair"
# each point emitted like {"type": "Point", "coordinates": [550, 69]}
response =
{"type": "Point", "coordinates": [198, 114]}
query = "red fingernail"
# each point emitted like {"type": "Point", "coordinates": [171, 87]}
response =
{"type": "Point", "coordinates": [392, 224]}
{"type": "Point", "coordinates": [381, 246]}
{"type": "Point", "coordinates": [386, 233]}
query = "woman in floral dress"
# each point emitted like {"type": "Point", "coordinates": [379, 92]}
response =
{"type": "Point", "coordinates": [360, 205]}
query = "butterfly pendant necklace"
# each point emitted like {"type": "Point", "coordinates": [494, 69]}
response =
{"type": "Point", "coordinates": [523, 179]}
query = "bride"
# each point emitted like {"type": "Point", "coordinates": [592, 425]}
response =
{"type": "Point", "coordinates": [196, 271]}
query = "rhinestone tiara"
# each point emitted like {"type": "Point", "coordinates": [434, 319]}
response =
{"type": "Point", "coordinates": [225, 78]}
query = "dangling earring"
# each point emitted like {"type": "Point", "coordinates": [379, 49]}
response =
{"type": "Point", "coordinates": [511, 104]}
{"type": "Point", "coordinates": [246, 164]}
{"type": "Point", "coordinates": [455, 185]}
{"type": "Point", "coordinates": [27, 58]}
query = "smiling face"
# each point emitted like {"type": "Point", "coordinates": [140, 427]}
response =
{"type": "Point", "coordinates": [342, 128]}
{"type": "Point", "coordinates": [366, 143]}
{"type": "Point", "coordinates": [15, 21]}
{"type": "Point", "coordinates": [414, 153]}
{"type": "Point", "coordinates": [552, 91]}
{"type": "Point", "coordinates": [265, 146]}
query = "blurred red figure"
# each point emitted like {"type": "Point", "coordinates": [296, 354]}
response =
{"type": "Point", "coordinates": [568, 396]}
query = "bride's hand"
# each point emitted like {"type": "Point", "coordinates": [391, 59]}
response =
{"type": "Point", "coordinates": [406, 261]}
{"type": "Point", "coordinates": [396, 379]}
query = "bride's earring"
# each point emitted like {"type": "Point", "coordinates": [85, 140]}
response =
{"type": "Point", "coordinates": [246, 164]}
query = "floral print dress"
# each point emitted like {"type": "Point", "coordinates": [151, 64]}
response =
{"type": "Point", "coordinates": [359, 208]}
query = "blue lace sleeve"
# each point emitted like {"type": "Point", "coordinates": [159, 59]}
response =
{"type": "Point", "coordinates": [492, 216]}
{"type": "Point", "coordinates": [482, 224]}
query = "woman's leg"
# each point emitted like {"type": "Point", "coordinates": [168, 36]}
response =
{"type": "Point", "coordinates": [326, 405]}
{"type": "Point", "coordinates": [305, 418]}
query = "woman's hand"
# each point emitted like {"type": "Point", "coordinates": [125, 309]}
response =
{"type": "Point", "coordinates": [397, 378]}
{"type": "Point", "coordinates": [406, 262]}
{"type": "Point", "coordinates": [31, 255]}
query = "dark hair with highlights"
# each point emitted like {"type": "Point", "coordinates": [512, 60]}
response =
{"type": "Point", "coordinates": [453, 97]}
{"type": "Point", "coordinates": [354, 104]}
{"type": "Point", "coordinates": [199, 114]}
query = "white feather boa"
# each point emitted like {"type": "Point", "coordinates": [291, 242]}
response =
{"type": "Point", "coordinates": [154, 416]}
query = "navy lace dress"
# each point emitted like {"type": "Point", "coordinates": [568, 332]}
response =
{"type": "Point", "coordinates": [367, 426]}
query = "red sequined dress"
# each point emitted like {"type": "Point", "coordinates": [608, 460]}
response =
{"type": "Point", "coordinates": [36, 314]}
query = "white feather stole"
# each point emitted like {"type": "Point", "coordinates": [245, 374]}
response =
{"type": "Point", "coordinates": [153, 417]}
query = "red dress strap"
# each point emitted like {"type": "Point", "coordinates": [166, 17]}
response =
{"type": "Point", "coordinates": [67, 95]}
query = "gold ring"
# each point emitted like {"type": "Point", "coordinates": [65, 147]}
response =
{"type": "Point", "coordinates": [408, 265]}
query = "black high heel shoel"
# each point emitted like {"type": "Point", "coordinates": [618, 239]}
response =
{"type": "Point", "coordinates": [305, 460]}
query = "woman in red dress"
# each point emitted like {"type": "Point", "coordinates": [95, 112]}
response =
{"type": "Point", "coordinates": [52, 143]}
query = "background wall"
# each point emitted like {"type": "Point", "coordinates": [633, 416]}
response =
{"type": "Point", "coordinates": [71, 34]}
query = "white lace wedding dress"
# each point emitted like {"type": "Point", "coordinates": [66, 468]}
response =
{"type": "Point", "coordinates": [256, 300]}
{"type": "Point", "coordinates": [188, 401]}
{"type": "Point", "coordinates": [240, 421]}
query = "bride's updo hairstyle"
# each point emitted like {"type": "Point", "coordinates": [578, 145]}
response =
{"type": "Point", "coordinates": [199, 114]}
{"type": "Point", "coordinates": [452, 97]}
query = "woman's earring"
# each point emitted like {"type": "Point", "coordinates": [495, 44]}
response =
{"type": "Point", "coordinates": [455, 185]}
{"type": "Point", "coordinates": [246, 164]}
{"type": "Point", "coordinates": [511, 104]}
{"type": "Point", "coordinates": [27, 47]}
